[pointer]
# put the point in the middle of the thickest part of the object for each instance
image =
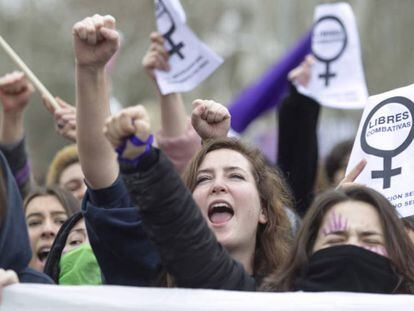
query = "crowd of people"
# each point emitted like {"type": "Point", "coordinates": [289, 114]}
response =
{"type": "Point", "coordinates": [187, 206]}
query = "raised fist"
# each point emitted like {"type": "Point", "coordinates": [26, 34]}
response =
{"type": "Point", "coordinates": [210, 119]}
{"type": "Point", "coordinates": [95, 41]}
{"type": "Point", "coordinates": [156, 56]}
{"type": "Point", "coordinates": [15, 92]}
{"type": "Point", "coordinates": [127, 122]}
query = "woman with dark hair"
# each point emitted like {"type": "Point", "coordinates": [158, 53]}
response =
{"type": "Point", "coordinates": [351, 239]}
{"type": "Point", "coordinates": [71, 260]}
{"type": "Point", "coordinates": [336, 162]}
{"type": "Point", "coordinates": [46, 209]}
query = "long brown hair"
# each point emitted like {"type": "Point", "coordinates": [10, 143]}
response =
{"type": "Point", "coordinates": [399, 248]}
{"type": "Point", "coordinates": [70, 204]}
{"type": "Point", "coordinates": [273, 239]}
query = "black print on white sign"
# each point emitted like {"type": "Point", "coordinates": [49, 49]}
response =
{"type": "Point", "coordinates": [160, 10]}
{"type": "Point", "coordinates": [328, 30]}
{"type": "Point", "coordinates": [387, 155]}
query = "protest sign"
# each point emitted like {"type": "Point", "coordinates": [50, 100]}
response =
{"type": "Point", "coordinates": [191, 61]}
{"type": "Point", "coordinates": [385, 140]}
{"type": "Point", "coordinates": [35, 297]}
{"type": "Point", "coordinates": [337, 78]}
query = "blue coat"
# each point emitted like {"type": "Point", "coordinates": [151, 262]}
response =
{"type": "Point", "coordinates": [124, 253]}
{"type": "Point", "coordinates": [15, 251]}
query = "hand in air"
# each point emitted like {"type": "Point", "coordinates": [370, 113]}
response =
{"type": "Point", "coordinates": [15, 92]}
{"type": "Point", "coordinates": [210, 119]}
{"type": "Point", "coordinates": [127, 123]}
{"type": "Point", "coordinates": [95, 41]}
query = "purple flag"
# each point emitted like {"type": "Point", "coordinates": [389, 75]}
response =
{"type": "Point", "coordinates": [268, 91]}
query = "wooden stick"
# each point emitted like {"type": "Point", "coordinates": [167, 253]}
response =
{"type": "Point", "coordinates": [19, 62]}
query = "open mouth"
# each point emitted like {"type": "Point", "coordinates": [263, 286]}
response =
{"type": "Point", "coordinates": [220, 212]}
{"type": "Point", "coordinates": [43, 253]}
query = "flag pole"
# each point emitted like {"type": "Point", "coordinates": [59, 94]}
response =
{"type": "Point", "coordinates": [36, 82]}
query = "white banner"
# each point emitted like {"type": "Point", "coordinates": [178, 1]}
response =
{"type": "Point", "coordinates": [101, 298]}
{"type": "Point", "coordinates": [337, 78]}
{"type": "Point", "coordinates": [191, 61]}
{"type": "Point", "coordinates": [384, 139]}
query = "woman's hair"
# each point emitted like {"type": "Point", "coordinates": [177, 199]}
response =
{"type": "Point", "coordinates": [70, 204]}
{"type": "Point", "coordinates": [409, 222]}
{"type": "Point", "coordinates": [273, 238]}
{"type": "Point", "coordinates": [337, 159]}
{"type": "Point", "coordinates": [399, 248]}
{"type": "Point", "coordinates": [63, 158]}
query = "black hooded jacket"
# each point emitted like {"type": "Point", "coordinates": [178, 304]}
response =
{"type": "Point", "coordinates": [15, 252]}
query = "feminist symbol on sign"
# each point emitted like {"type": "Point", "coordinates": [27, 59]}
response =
{"type": "Point", "coordinates": [387, 155]}
{"type": "Point", "coordinates": [329, 42]}
{"type": "Point", "coordinates": [161, 10]}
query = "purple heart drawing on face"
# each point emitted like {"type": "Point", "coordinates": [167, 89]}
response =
{"type": "Point", "coordinates": [336, 223]}
{"type": "Point", "coordinates": [379, 249]}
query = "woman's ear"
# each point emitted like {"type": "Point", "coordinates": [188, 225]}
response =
{"type": "Point", "coordinates": [262, 216]}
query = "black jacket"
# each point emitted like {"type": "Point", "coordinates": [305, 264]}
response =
{"type": "Point", "coordinates": [298, 146]}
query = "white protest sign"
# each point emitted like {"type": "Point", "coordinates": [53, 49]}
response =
{"type": "Point", "coordinates": [385, 140]}
{"type": "Point", "coordinates": [337, 78]}
{"type": "Point", "coordinates": [191, 61]}
{"type": "Point", "coordinates": [35, 297]}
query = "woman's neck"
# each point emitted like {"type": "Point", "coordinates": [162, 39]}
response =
{"type": "Point", "coordinates": [245, 257]}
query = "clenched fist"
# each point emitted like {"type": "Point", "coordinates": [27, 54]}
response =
{"type": "Point", "coordinates": [95, 41]}
{"type": "Point", "coordinates": [15, 92]}
{"type": "Point", "coordinates": [126, 123]}
{"type": "Point", "coordinates": [210, 119]}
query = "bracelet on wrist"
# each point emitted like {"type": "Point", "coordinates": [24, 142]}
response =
{"type": "Point", "coordinates": [136, 141]}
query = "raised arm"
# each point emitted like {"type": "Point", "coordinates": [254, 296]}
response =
{"type": "Point", "coordinates": [95, 41]}
{"type": "Point", "coordinates": [172, 219]}
{"type": "Point", "coordinates": [298, 143]}
{"type": "Point", "coordinates": [176, 137]}
{"type": "Point", "coordinates": [15, 92]}
{"type": "Point", "coordinates": [173, 114]}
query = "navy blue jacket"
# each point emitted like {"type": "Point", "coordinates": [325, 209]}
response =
{"type": "Point", "coordinates": [15, 252]}
{"type": "Point", "coordinates": [124, 253]}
